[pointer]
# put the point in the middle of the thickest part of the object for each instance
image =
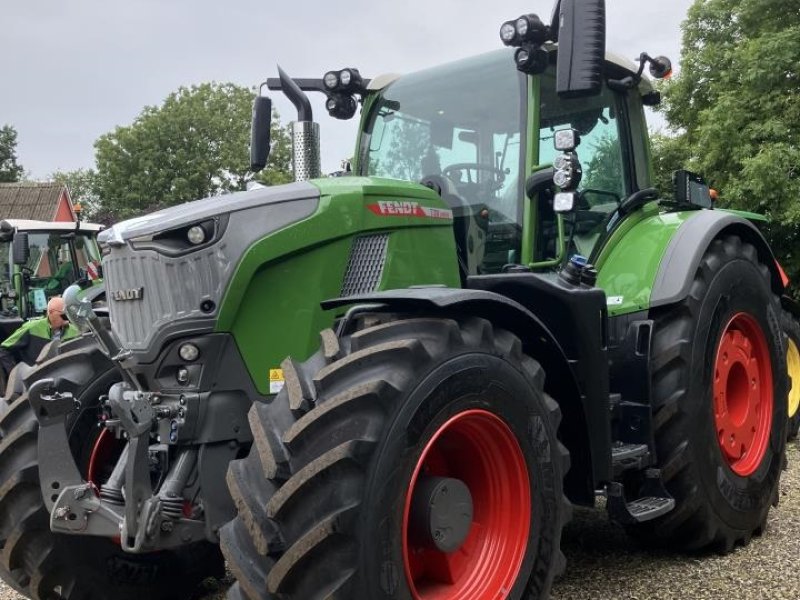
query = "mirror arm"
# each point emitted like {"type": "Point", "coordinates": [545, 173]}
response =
{"type": "Point", "coordinates": [538, 181]}
{"type": "Point", "coordinates": [637, 200]}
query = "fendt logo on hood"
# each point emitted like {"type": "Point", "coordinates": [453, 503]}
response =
{"type": "Point", "coordinates": [405, 208]}
{"type": "Point", "coordinates": [129, 294]}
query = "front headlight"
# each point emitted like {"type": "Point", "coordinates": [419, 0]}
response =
{"type": "Point", "coordinates": [181, 239]}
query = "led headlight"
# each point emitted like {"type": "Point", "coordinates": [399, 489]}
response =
{"type": "Point", "coordinates": [341, 106]}
{"type": "Point", "coordinates": [566, 140]}
{"type": "Point", "coordinates": [189, 352]}
{"type": "Point", "coordinates": [345, 76]}
{"type": "Point", "coordinates": [522, 27]}
{"type": "Point", "coordinates": [564, 202]}
{"type": "Point", "coordinates": [562, 178]}
{"type": "Point", "coordinates": [508, 33]}
{"type": "Point", "coordinates": [522, 56]}
{"type": "Point", "coordinates": [331, 80]}
{"type": "Point", "coordinates": [561, 162]}
{"type": "Point", "coordinates": [196, 235]}
{"type": "Point", "coordinates": [531, 29]}
{"type": "Point", "coordinates": [531, 59]}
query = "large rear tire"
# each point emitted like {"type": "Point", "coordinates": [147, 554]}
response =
{"type": "Point", "coordinates": [792, 330]}
{"type": "Point", "coordinates": [342, 493]}
{"type": "Point", "coordinates": [43, 565]}
{"type": "Point", "coordinates": [719, 401]}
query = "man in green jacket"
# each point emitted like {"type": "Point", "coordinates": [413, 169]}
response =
{"type": "Point", "coordinates": [25, 344]}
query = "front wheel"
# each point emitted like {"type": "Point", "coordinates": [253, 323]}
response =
{"type": "Point", "coordinates": [719, 402]}
{"type": "Point", "coordinates": [416, 458]}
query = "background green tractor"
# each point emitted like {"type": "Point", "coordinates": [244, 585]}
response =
{"type": "Point", "coordinates": [527, 326]}
{"type": "Point", "coordinates": [39, 260]}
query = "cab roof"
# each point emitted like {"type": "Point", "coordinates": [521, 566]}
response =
{"type": "Point", "coordinates": [645, 85]}
{"type": "Point", "coordinates": [31, 225]}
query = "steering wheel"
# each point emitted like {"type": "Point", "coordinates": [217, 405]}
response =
{"type": "Point", "coordinates": [456, 168]}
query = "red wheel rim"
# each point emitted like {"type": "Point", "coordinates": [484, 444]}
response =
{"type": "Point", "coordinates": [743, 394]}
{"type": "Point", "coordinates": [479, 449]}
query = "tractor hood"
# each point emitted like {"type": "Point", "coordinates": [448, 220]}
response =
{"type": "Point", "coordinates": [199, 210]}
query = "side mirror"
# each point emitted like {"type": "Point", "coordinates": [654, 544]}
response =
{"type": "Point", "coordinates": [581, 48]}
{"type": "Point", "coordinates": [661, 67]}
{"type": "Point", "coordinates": [260, 133]}
{"type": "Point", "coordinates": [20, 248]}
{"type": "Point", "coordinates": [691, 188]}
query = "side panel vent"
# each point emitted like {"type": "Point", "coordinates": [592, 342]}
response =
{"type": "Point", "coordinates": [365, 265]}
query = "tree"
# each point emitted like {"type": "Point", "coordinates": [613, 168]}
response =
{"type": "Point", "coordinates": [10, 171]}
{"type": "Point", "coordinates": [735, 108]}
{"type": "Point", "coordinates": [192, 146]}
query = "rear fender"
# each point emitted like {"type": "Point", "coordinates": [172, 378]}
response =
{"type": "Point", "coordinates": [690, 242]}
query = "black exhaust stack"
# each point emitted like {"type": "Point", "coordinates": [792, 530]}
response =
{"type": "Point", "coordinates": [581, 35]}
{"type": "Point", "coordinates": [260, 133]}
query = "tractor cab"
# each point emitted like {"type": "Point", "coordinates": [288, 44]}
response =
{"type": "Point", "coordinates": [40, 260]}
{"type": "Point", "coordinates": [482, 134]}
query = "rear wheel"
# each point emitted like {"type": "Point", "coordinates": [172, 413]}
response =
{"type": "Point", "coordinates": [416, 458]}
{"type": "Point", "coordinates": [792, 330]}
{"type": "Point", "coordinates": [719, 402]}
{"type": "Point", "coordinates": [43, 565]}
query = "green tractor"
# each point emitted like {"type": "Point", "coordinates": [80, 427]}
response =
{"type": "Point", "coordinates": [39, 260]}
{"type": "Point", "coordinates": [511, 321]}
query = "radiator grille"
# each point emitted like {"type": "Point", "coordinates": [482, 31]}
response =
{"type": "Point", "coordinates": [173, 288]}
{"type": "Point", "coordinates": [365, 265]}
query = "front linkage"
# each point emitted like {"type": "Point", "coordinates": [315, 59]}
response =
{"type": "Point", "coordinates": [142, 503]}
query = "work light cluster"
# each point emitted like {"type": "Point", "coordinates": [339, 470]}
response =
{"type": "Point", "coordinates": [341, 88]}
{"type": "Point", "coordinates": [527, 34]}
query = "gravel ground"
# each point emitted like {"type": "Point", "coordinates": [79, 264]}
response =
{"type": "Point", "coordinates": [604, 564]}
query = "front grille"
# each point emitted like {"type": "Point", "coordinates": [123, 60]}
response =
{"type": "Point", "coordinates": [365, 265]}
{"type": "Point", "coordinates": [172, 288]}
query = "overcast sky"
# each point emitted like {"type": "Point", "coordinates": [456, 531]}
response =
{"type": "Point", "coordinates": [74, 69]}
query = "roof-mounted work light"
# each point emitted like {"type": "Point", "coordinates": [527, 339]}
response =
{"type": "Point", "coordinates": [345, 80]}
{"type": "Point", "coordinates": [341, 106]}
{"type": "Point", "coordinates": [527, 33]}
{"type": "Point", "coordinates": [527, 28]}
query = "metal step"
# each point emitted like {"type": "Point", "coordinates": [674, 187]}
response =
{"type": "Point", "coordinates": [625, 457]}
{"type": "Point", "coordinates": [645, 509]}
{"type": "Point", "coordinates": [654, 501]}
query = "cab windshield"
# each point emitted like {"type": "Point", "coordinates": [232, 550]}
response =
{"type": "Point", "coordinates": [56, 260]}
{"type": "Point", "coordinates": [459, 125]}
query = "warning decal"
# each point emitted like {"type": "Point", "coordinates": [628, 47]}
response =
{"type": "Point", "coordinates": [276, 380]}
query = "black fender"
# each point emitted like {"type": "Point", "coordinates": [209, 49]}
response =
{"type": "Point", "coordinates": [73, 369]}
{"type": "Point", "coordinates": [685, 250]}
{"type": "Point", "coordinates": [497, 308]}
{"type": "Point", "coordinates": [565, 378]}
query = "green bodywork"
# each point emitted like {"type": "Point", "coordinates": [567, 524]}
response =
{"type": "Point", "coordinates": [272, 305]}
{"type": "Point", "coordinates": [628, 263]}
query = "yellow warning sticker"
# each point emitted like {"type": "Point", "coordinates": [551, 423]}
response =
{"type": "Point", "coordinates": [276, 380]}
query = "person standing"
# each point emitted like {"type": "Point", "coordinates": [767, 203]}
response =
{"type": "Point", "coordinates": [25, 344]}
